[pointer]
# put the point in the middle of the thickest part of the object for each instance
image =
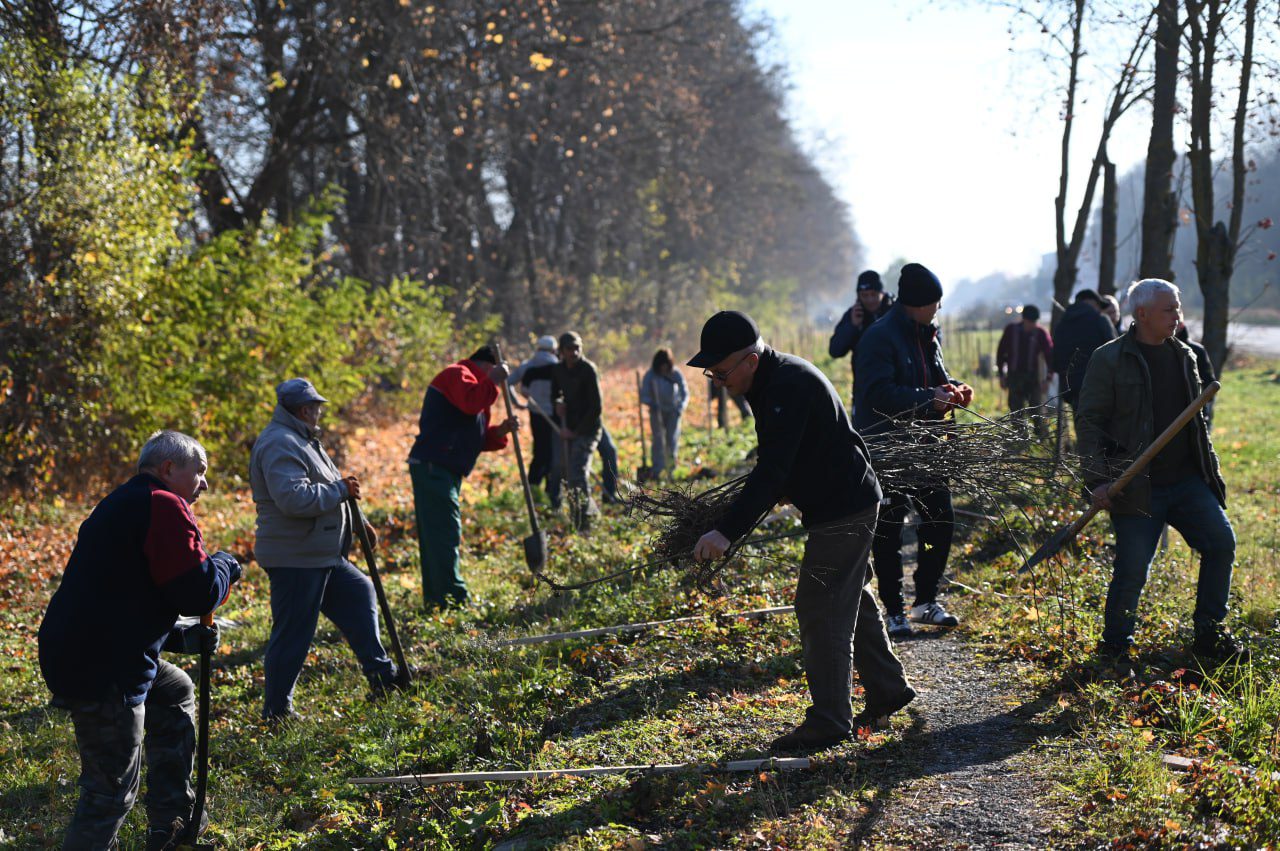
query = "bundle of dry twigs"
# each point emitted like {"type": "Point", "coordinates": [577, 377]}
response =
{"type": "Point", "coordinates": [991, 462]}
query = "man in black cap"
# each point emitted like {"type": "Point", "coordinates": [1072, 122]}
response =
{"type": "Point", "coordinates": [1024, 359]}
{"type": "Point", "coordinates": [810, 455]}
{"type": "Point", "coordinates": [1081, 329]}
{"type": "Point", "coordinates": [872, 304]}
{"type": "Point", "coordinates": [901, 378]}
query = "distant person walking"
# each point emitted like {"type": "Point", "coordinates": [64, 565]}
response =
{"type": "Point", "coordinates": [871, 304]}
{"type": "Point", "coordinates": [901, 376]}
{"type": "Point", "coordinates": [575, 387]}
{"type": "Point", "coordinates": [1024, 360]}
{"type": "Point", "coordinates": [303, 537]}
{"type": "Point", "coordinates": [664, 391]}
{"type": "Point", "coordinates": [1081, 329]}
{"type": "Point", "coordinates": [453, 430]}
{"type": "Point", "coordinates": [139, 563]}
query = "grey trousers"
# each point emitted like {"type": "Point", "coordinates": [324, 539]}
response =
{"type": "Point", "coordinates": [113, 739]}
{"type": "Point", "coordinates": [840, 624]}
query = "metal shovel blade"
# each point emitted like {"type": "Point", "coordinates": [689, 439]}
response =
{"type": "Point", "coordinates": [1052, 546]}
{"type": "Point", "coordinates": [535, 551]}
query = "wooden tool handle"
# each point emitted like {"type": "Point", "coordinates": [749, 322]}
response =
{"type": "Point", "coordinates": [1163, 440]}
{"type": "Point", "coordinates": [515, 443]}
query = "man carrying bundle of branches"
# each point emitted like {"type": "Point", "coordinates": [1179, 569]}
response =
{"type": "Point", "coordinates": [810, 455]}
{"type": "Point", "coordinates": [901, 379]}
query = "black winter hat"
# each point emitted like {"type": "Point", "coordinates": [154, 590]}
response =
{"type": "Point", "coordinates": [727, 332]}
{"type": "Point", "coordinates": [917, 286]}
{"type": "Point", "coordinates": [870, 280]}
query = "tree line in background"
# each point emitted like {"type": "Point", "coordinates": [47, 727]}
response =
{"type": "Point", "coordinates": [1207, 69]}
{"type": "Point", "coordinates": [198, 197]}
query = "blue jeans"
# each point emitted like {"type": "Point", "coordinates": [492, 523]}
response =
{"type": "Point", "coordinates": [1190, 507]}
{"type": "Point", "coordinates": [298, 596]}
{"type": "Point", "coordinates": [608, 466]}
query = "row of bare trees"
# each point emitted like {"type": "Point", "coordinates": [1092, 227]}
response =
{"type": "Point", "coordinates": [548, 161]}
{"type": "Point", "coordinates": [1192, 63]}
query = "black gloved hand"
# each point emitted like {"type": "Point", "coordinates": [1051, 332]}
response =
{"type": "Point", "coordinates": [193, 639]}
{"type": "Point", "coordinates": [229, 561]}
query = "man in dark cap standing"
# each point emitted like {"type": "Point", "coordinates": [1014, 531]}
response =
{"type": "Point", "coordinates": [1081, 329]}
{"type": "Point", "coordinates": [810, 455]}
{"type": "Point", "coordinates": [901, 378]}
{"type": "Point", "coordinates": [872, 304]}
{"type": "Point", "coordinates": [1024, 360]}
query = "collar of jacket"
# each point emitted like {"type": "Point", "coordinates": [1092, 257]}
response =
{"type": "Point", "coordinates": [908, 325]}
{"type": "Point", "coordinates": [1129, 343]}
{"type": "Point", "coordinates": [769, 361]}
{"type": "Point", "coordinates": [294, 424]}
{"type": "Point", "coordinates": [476, 369]}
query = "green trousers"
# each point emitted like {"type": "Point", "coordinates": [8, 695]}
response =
{"type": "Point", "coordinates": [435, 502]}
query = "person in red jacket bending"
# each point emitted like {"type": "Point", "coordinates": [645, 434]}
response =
{"type": "Point", "coordinates": [452, 432]}
{"type": "Point", "coordinates": [139, 562]}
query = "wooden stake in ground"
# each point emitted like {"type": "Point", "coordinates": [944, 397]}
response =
{"type": "Point", "coordinates": [785, 764]}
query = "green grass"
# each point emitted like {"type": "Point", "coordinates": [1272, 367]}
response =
{"type": "Point", "coordinates": [716, 689]}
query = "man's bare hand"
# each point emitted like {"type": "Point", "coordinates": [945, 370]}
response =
{"type": "Point", "coordinates": [510, 425]}
{"type": "Point", "coordinates": [1100, 496]}
{"type": "Point", "coordinates": [710, 546]}
{"type": "Point", "coordinates": [373, 534]}
{"type": "Point", "coordinates": [498, 373]}
{"type": "Point", "coordinates": [942, 397]}
{"type": "Point", "coordinates": [353, 487]}
{"type": "Point", "coordinates": [963, 395]}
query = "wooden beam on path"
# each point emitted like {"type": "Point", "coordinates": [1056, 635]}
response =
{"type": "Point", "coordinates": [733, 766]}
{"type": "Point", "coordinates": [756, 614]}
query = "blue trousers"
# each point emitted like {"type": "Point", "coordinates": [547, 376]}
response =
{"type": "Point", "coordinates": [608, 466]}
{"type": "Point", "coordinates": [1190, 507]}
{"type": "Point", "coordinates": [298, 596]}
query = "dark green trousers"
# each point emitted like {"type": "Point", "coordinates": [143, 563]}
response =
{"type": "Point", "coordinates": [435, 502]}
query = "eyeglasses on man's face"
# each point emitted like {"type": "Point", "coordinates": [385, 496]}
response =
{"type": "Point", "coordinates": [722, 377]}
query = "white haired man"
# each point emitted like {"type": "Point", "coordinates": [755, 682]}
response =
{"type": "Point", "coordinates": [1134, 388]}
{"type": "Point", "coordinates": [139, 563]}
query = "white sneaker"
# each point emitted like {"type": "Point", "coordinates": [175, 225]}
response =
{"type": "Point", "coordinates": [933, 613]}
{"type": "Point", "coordinates": [898, 625]}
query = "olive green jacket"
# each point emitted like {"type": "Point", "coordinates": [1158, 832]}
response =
{"type": "Point", "coordinates": [1114, 421]}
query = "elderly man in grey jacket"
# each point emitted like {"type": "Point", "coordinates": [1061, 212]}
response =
{"type": "Point", "coordinates": [304, 535]}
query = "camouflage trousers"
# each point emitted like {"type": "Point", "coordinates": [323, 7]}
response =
{"type": "Point", "coordinates": [113, 738]}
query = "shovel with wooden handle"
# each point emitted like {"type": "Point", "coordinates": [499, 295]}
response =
{"type": "Point", "coordinates": [1069, 532]}
{"type": "Point", "coordinates": [644, 472]}
{"type": "Point", "coordinates": [535, 545]}
{"type": "Point", "coordinates": [190, 837]}
{"type": "Point", "coordinates": [366, 543]}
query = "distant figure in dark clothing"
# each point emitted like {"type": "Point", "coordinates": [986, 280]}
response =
{"type": "Point", "coordinates": [1204, 366]}
{"type": "Point", "coordinates": [1082, 328]}
{"type": "Point", "coordinates": [901, 376]}
{"type": "Point", "coordinates": [810, 454]}
{"type": "Point", "coordinates": [1024, 360]}
{"type": "Point", "coordinates": [872, 304]}
{"type": "Point", "coordinates": [575, 389]}
{"type": "Point", "coordinates": [139, 562]}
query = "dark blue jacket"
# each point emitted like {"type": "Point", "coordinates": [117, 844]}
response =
{"type": "Point", "coordinates": [138, 563]}
{"type": "Point", "coordinates": [899, 362]}
{"type": "Point", "coordinates": [1081, 329]}
{"type": "Point", "coordinates": [844, 340]}
{"type": "Point", "coordinates": [809, 453]}
{"type": "Point", "coordinates": [453, 428]}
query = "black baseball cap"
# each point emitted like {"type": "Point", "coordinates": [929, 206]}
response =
{"type": "Point", "coordinates": [727, 332]}
{"type": "Point", "coordinates": [870, 280]}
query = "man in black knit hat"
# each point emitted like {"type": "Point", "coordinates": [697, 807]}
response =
{"type": "Point", "coordinates": [872, 304]}
{"type": "Point", "coordinates": [900, 379]}
{"type": "Point", "coordinates": [810, 455]}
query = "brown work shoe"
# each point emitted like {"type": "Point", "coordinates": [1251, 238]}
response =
{"type": "Point", "coordinates": [876, 715]}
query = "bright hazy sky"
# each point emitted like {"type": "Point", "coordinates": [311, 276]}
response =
{"type": "Point", "coordinates": [944, 143]}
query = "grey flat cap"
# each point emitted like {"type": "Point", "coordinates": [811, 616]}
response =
{"type": "Point", "coordinates": [297, 391]}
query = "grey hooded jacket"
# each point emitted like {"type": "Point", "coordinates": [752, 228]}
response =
{"type": "Point", "coordinates": [303, 517]}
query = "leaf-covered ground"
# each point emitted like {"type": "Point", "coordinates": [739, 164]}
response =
{"type": "Point", "coordinates": [1012, 741]}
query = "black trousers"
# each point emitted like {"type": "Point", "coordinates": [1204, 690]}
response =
{"type": "Point", "coordinates": [937, 528]}
{"type": "Point", "coordinates": [543, 442]}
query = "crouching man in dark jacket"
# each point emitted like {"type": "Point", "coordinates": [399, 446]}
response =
{"type": "Point", "coordinates": [1134, 388]}
{"type": "Point", "coordinates": [810, 455]}
{"type": "Point", "coordinates": [901, 378]}
{"type": "Point", "coordinates": [139, 562]}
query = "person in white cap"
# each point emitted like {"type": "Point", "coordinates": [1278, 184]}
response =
{"type": "Point", "coordinates": [538, 391]}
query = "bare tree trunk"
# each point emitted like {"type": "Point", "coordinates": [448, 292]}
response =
{"type": "Point", "coordinates": [1107, 250]}
{"type": "Point", "coordinates": [1064, 275]}
{"type": "Point", "coordinates": [1159, 202]}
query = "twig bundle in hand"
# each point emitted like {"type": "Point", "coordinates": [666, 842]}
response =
{"type": "Point", "coordinates": [991, 461]}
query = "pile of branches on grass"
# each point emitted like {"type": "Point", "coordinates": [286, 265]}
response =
{"type": "Point", "coordinates": [991, 462]}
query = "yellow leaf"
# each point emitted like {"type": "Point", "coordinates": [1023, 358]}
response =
{"type": "Point", "coordinates": [394, 81]}
{"type": "Point", "coordinates": [540, 61]}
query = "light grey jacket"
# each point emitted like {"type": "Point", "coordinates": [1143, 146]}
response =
{"type": "Point", "coordinates": [303, 517]}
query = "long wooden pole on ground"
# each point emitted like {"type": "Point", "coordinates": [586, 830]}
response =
{"type": "Point", "coordinates": [784, 764]}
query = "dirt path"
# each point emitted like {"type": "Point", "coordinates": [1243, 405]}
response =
{"type": "Point", "coordinates": [967, 773]}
